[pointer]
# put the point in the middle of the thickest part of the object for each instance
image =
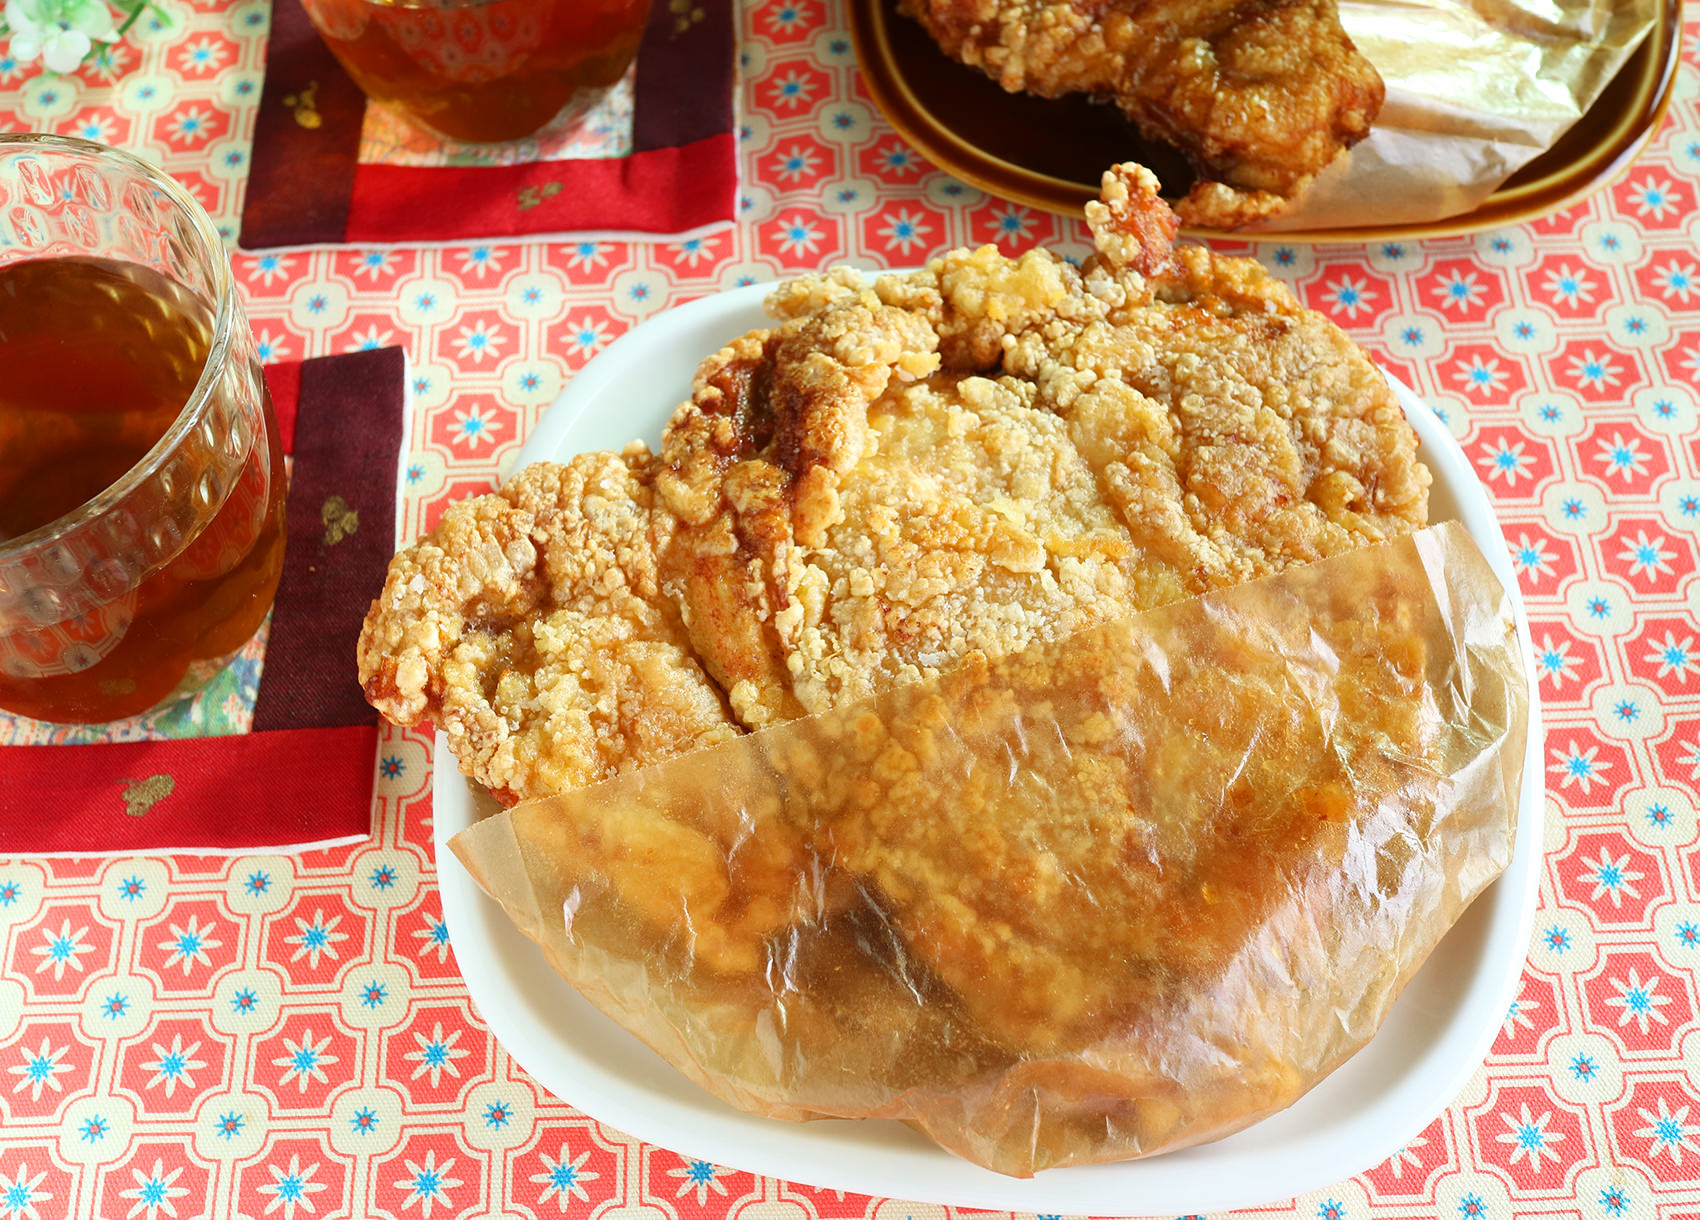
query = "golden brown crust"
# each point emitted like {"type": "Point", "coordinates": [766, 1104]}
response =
{"type": "Point", "coordinates": [1081, 445]}
{"type": "Point", "coordinates": [896, 477]}
{"type": "Point", "coordinates": [530, 626]}
{"type": "Point", "coordinates": [1260, 95]}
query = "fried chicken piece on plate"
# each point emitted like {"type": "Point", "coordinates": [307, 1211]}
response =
{"type": "Point", "coordinates": [855, 516]}
{"type": "Point", "coordinates": [997, 451]}
{"type": "Point", "coordinates": [1260, 95]}
{"type": "Point", "coordinates": [530, 626]}
{"type": "Point", "coordinates": [1237, 432]}
{"type": "Point", "coordinates": [1191, 767]}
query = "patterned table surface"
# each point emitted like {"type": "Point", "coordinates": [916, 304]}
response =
{"type": "Point", "coordinates": [290, 1037]}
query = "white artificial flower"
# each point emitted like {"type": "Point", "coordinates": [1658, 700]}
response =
{"type": "Point", "coordinates": [59, 31]}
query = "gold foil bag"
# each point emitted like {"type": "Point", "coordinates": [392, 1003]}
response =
{"type": "Point", "coordinates": [1111, 895]}
{"type": "Point", "coordinates": [1476, 89]}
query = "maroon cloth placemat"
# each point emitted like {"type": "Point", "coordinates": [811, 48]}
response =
{"type": "Point", "coordinates": [306, 185]}
{"type": "Point", "coordinates": [303, 775]}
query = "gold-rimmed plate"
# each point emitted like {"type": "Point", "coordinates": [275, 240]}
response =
{"type": "Point", "coordinates": [1050, 153]}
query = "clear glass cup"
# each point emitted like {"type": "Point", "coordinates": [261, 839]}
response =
{"type": "Point", "coordinates": [483, 71]}
{"type": "Point", "coordinates": [141, 471]}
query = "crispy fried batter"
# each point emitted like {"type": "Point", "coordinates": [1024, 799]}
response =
{"type": "Point", "coordinates": [903, 519]}
{"type": "Point", "coordinates": [529, 625]}
{"type": "Point", "coordinates": [925, 516]}
{"type": "Point", "coordinates": [896, 477]}
{"type": "Point", "coordinates": [1259, 95]}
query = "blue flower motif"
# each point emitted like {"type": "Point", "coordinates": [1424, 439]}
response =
{"type": "Point", "coordinates": [1471, 1207]}
{"type": "Point", "coordinates": [230, 1125]}
{"type": "Point", "coordinates": [1530, 557]}
{"type": "Point", "coordinates": [498, 1114]}
{"type": "Point", "coordinates": [392, 766]}
{"type": "Point", "coordinates": [115, 1006]}
{"type": "Point", "coordinates": [131, 888]}
{"type": "Point", "coordinates": [1687, 934]}
{"type": "Point", "coordinates": [257, 883]}
{"type": "Point", "coordinates": [1557, 939]}
{"type": "Point", "coordinates": [364, 1121]}
{"type": "Point", "coordinates": [10, 891]}
{"type": "Point", "coordinates": [244, 1001]}
{"type": "Point", "coordinates": [373, 995]}
{"type": "Point", "coordinates": [383, 877]}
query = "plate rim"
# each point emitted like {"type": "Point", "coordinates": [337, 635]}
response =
{"type": "Point", "coordinates": [1596, 167]}
{"type": "Point", "coordinates": [1101, 1190]}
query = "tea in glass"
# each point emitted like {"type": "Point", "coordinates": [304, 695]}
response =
{"type": "Point", "coordinates": [141, 471]}
{"type": "Point", "coordinates": [483, 72]}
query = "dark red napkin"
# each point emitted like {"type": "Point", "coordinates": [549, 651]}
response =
{"type": "Point", "coordinates": [306, 185]}
{"type": "Point", "coordinates": [303, 775]}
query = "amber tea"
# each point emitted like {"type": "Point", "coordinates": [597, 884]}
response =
{"type": "Point", "coordinates": [483, 72]}
{"type": "Point", "coordinates": [98, 359]}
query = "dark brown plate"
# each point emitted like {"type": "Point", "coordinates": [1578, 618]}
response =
{"type": "Point", "coordinates": [1050, 154]}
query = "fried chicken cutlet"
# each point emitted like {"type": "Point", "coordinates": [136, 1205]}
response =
{"type": "Point", "coordinates": [904, 473]}
{"type": "Point", "coordinates": [530, 627]}
{"type": "Point", "coordinates": [1259, 95]}
{"type": "Point", "coordinates": [897, 476]}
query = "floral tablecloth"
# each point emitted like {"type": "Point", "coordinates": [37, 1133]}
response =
{"type": "Point", "coordinates": [290, 1037]}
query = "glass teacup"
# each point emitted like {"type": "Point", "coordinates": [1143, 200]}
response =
{"type": "Point", "coordinates": [141, 472]}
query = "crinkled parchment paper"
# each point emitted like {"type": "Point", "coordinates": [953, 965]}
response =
{"type": "Point", "coordinates": [1111, 895]}
{"type": "Point", "coordinates": [1475, 91]}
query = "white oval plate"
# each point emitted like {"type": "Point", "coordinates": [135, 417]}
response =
{"type": "Point", "coordinates": [1432, 1041]}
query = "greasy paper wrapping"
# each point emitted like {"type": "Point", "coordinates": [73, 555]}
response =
{"type": "Point", "coordinates": [1476, 89]}
{"type": "Point", "coordinates": [1111, 895]}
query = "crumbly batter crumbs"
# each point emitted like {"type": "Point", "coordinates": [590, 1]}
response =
{"type": "Point", "coordinates": [529, 625]}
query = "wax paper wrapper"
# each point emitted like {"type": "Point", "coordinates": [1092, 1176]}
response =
{"type": "Point", "coordinates": [1476, 89]}
{"type": "Point", "coordinates": [1111, 895]}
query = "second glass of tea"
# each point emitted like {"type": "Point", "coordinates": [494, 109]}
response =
{"type": "Point", "coordinates": [141, 471]}
{"type": "Point", "coordinates": [483, 71]}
